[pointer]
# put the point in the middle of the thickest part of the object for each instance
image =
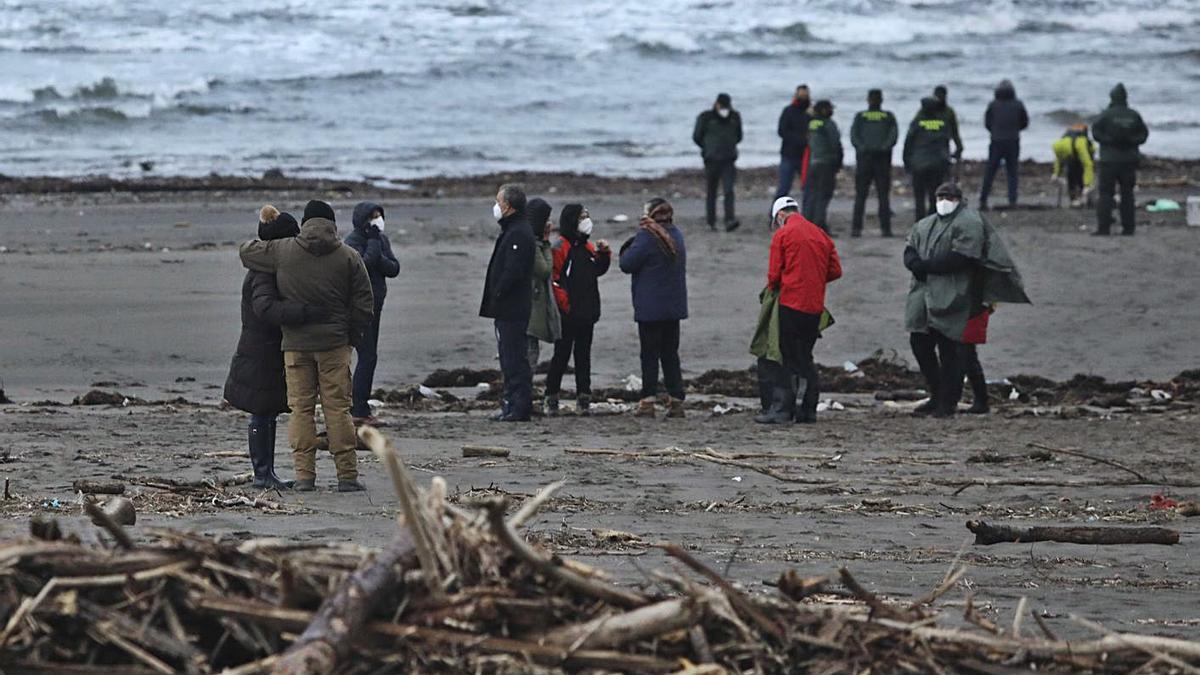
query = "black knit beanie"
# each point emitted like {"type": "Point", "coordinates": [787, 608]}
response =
{"type": "Point", "coordinates": [281, 227]}
{"type": "Point", "coordinates": [318, 209]}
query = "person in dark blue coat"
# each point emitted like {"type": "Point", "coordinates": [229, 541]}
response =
{"type": "Point", "coordinates": [376, 253]}
{"type": "Point", "coordinates": [256, 382]}
{"type": "Point", "coordinates": [657, 259]}
{"type": "Point", "coordinates": [508, 301]}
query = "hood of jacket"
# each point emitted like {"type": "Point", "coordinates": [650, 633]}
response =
{"type": "Point", "coordinates": [319, 236]}
{"type": "Point", "coordinates": [1005, 91]}
{"type": "Point", "coordinates": [538, 212]}
{"type": "Point", "coordinates": [568, 221]}
{"type": "Point", "coordinates": [362, 214]}
{"type": "Point", "coordinates": [1118, 95]}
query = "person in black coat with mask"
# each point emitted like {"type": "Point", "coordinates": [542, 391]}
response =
{"type": "Point", "coordinates": [508, 300]}
{"type": "Point", "coordinates": [256, 382]}
{"type": "Point", "coordinates": [578, 266]}
{"type": "Point", "coordinates": [376, 253]}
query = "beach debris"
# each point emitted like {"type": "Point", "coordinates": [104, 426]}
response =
{"type": "Point", "coordinates": [618, 218]}
{"type": "Point", "coordinates": [1163, 204]}
{"type": "Point", "coordinates": [119, 509]}
{"type": "Point", "coordinates": [427, 392]}
{"type": "Point", "coordinates": [459, 589]}
{"type": "Point", "coordinates": [95, 487]}
{"type": "Point", "coordinates": [1161, 503]}
{"type": "Point", "coordinates": [1189, 509]}
{"type": "Point", "coordinates": [631, 382]}
{"type": "Point", "coordinates": [484, 451]}
{"type": "Point", "coordinates": [850, 366]}
{"type": "Point", "coordinates": [987, 535]}
{"type": "Point", "coordinates": [461, 377]}
{"type": "Point", "coordinates": [99, 397]}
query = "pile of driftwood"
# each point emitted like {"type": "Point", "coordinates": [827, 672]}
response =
{"type": "Point", "coordinates": [460, 590]}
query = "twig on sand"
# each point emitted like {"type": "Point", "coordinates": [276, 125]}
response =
{"type": "Point", "coordinates": [530, 508]}
{"type": "Point", "coordinates": [1084, 455]}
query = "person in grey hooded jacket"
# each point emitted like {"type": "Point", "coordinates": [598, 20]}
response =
{"type": "Point", "coordinates": [1005, 118]}
{"type": "Point", "coordinates": [376, 252]}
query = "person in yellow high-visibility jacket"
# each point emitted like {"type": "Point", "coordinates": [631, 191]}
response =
{"type": "Point", "coordinates": [1073, 163]}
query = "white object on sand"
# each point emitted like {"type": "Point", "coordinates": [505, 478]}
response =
{"type": "Point", "coordinates": [483, 386]}
{"type": "Point", "coordinates": [632, 383]}
{"type": "Point", "coordinates": [850, 366]}
{"type": "Point", "coordinates": [619, 218]}
{"type": "Point", "coordinates": [427, 392]}
{"type": "Point", "coordinates": [1013, 395]}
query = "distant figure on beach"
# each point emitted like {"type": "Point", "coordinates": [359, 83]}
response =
{"type": "Point", "coordinates": [545, 324]}
{"type": "Point", "coordinates": [372, 245]}
{"type": "Point", "coordinates": [959, 269]}
{"type": "Point", "coordinates": [316, 268]}
{"type": "Point", "coordinates": [1005, 117]}
{"type": "Point", "coordinates": [1074, 164]}
{"type": "Point", "coordinates": [718, 132]}
{"type": "Point", "coordinates": [793, 130]}
{"type": "Point", "coordinates": [508, 301]}
{"type": "Point", "coordinates": [873, 135]}
{"type": "Point", "coordinates": [657, 260]}
{"type": "Point", "coordinates": [802, 262]}
{"type": "Point", "coordinates": [578, 266]}
{"type": "Point", "coordinates": [946, 112]}
{"type": "Point", "coordinates": [1120, 131]}
{"type": "Point", "coordinates": [927, 154]}
{"type": "Point", "coordinates": [825, 161]}
{"type": "Point", "coordinates": [256, 382]}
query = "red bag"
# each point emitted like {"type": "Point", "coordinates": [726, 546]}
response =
{"type": "Point", "coordinates": [976, 331]}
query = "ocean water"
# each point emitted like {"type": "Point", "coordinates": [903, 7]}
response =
{"type": "Point", "coordinates": [394, 90]}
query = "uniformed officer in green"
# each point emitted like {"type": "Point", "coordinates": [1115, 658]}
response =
{"type": "Point", "coordinates": [873, 136]}
{"type": "Point", "coordinates": [824, 162]}
{"type": "Point", "coordinates": [1120, 131]}
{"type": "Point", "coordinates": [927, 155]}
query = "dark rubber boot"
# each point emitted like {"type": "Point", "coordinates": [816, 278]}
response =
{"type": "Point", "coordinates": [979, 392]}
{"type": "Point", "coordinates": [260, 435]}
{"type": "Point", "coordinates": [778, 412]}
{"type": "Point", "coordinates": [277, 482]}
{"type": "Point", "coordinates": [805, 405]}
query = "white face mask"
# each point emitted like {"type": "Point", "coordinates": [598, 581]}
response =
{"type": "Point", "coordinates": [723, 112]}
{"type": "Point", "coordinates": [585, 226]}
{"type": "Point", "coordinates": [496, 212]}
{"type": "Point", "coordinates": [378, 222]}
{"type": "Point", "coordinates": [945, 207]}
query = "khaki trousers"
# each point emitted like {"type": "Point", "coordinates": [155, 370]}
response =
{"type": "Point", "coordinates": [325, 374]}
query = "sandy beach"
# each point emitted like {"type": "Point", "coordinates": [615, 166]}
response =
{"type": "Point", "coordinates": [138, 293]}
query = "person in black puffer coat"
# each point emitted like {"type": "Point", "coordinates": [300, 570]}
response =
{"type": "Point", "coordinates": [578, 266]}
{"type": "Point", "coordinates": [376, 253]}
{"type": "Point", "coordinates": [256, 382]}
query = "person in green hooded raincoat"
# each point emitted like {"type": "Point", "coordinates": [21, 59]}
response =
{"type": "Point", "coordinates": [959, 268]}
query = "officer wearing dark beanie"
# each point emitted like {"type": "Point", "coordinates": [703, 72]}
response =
{"type": "Point", "coordinates": [317, 269]}
{"type": "Point", "coordinates": [318, 209]}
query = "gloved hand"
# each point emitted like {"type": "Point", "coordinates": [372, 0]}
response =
{"type": "Point", "coordinates": [919, 269]}
{"type": "Point", "coordinates": [316, 314]}
{"type": "Point", "coordinates": [372, 232]}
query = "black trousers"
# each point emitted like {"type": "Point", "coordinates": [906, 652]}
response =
{"type": "Point", "coordinates": [576, 339]}
{"type": "Point", "coordinates": [798, 334]}
{"type": "Point", "coordinates": [1113, 174]}
{"type": "Point", "coordinates": [660, 344]}
{"type": "Point", "coordinates": [873, 169]}
{"type": "Point", "coordinates": [822, 179]}
{"type": "Point", "coordinates": [925, 183]}
{"type": "Point", "coordinates": [513, 346]}
{"type": "Point", "coordinates": [723, 173]}
{"type": "Point", "coordinates": [1074, 178]}
{"type": "Point", "coordinates": [942, 362]}
{"type": "Point", "coordinates": [1008, 152]}
{"type": "Point", "coordinates": [364, 371]}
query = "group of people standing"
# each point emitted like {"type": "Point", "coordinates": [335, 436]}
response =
{"type": "Point", "coordinates": [539, 291]}
{"type": "Point", "coordinates": [811, 149]}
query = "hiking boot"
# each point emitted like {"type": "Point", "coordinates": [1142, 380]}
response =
{"type": "Point", "coordinates": [979, 407]}
{"type": "Point", "coordinates": [273, 482]}
{"type": "Point", "coordinates": [645, 408]}
{"type": "Point", "coordinates": [551, 406]}
{"type": "Point", "coordinates": [350, 485]}
{"type": "Point", "coordinates": [773, 417]}
{"type": "Point", "coordinates": [675, 409]}
{"type": "Point", "coordinates": [583, 406]}
{"type": "Point", "coordinates": [369, 421]}
{"type": "Point", "coordinates": [732, 225]}
{"type": "Point", "coordinates": [305, 485]}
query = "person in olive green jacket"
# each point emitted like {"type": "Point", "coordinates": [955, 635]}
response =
{"type": "Point", "coordinates": [946, 112]}
{"type": "Point", "coordinates": [927, 154]}
{"type": "Point", "coordinates": [1120, 131]}
{"type": "Point", "coordinates": [824, 162]}
{"type": "Point", "coordinates": [873, 136]}
{"type": "Point", "coordinates": [544, 322]}
{"type": "Point", "coordinates": [316, 268]}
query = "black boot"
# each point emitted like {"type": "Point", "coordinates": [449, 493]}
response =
{"type": "Point", "coordinates": [805, 402]}
{"type": "Point", "coordinates": [979, 392]}
{"type": "Point", "coordinates": [779, 411]}
{"type": "Point", "coordinates": [262, 457]}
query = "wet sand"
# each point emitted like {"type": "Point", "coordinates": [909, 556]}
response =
{"type": "Point", "coordinates": [85, 301]}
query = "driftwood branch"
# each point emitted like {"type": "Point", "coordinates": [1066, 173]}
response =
{"type": "Point", "coordinates": [484, 451]}
{"type": "Point", "coordinates": [618, 629]}
{"type": "Point", "coordinates": [986, 535]}
{"type": "Point", "coordinates": [329, 636]}
{"type": "Point", "coordinates": [1084, 455]}
{"type": "Point", "coordinates": [105, 520]}
{"type": "Point", "coordinates": [530, 508]}
{"type": "Point", "coordinates": [736, 597]}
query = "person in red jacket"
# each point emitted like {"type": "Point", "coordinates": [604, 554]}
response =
{"type": "Point", "coordinates": [803, 261]}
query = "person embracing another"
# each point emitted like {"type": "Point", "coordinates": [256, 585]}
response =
{"type": "Point", "coordinates": [317, 269]}
{"type": "Point", "coordinates": [256, 382]}
{"type": "Point", "coordinates": [656, 259]}
{"type": "Point", "coordinates": [545, 325]}
{"type": "Point", "coordinates": [372, 245]}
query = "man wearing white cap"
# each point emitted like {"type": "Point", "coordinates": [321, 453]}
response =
{"type": "Point", "coordinates": [803, 261]}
